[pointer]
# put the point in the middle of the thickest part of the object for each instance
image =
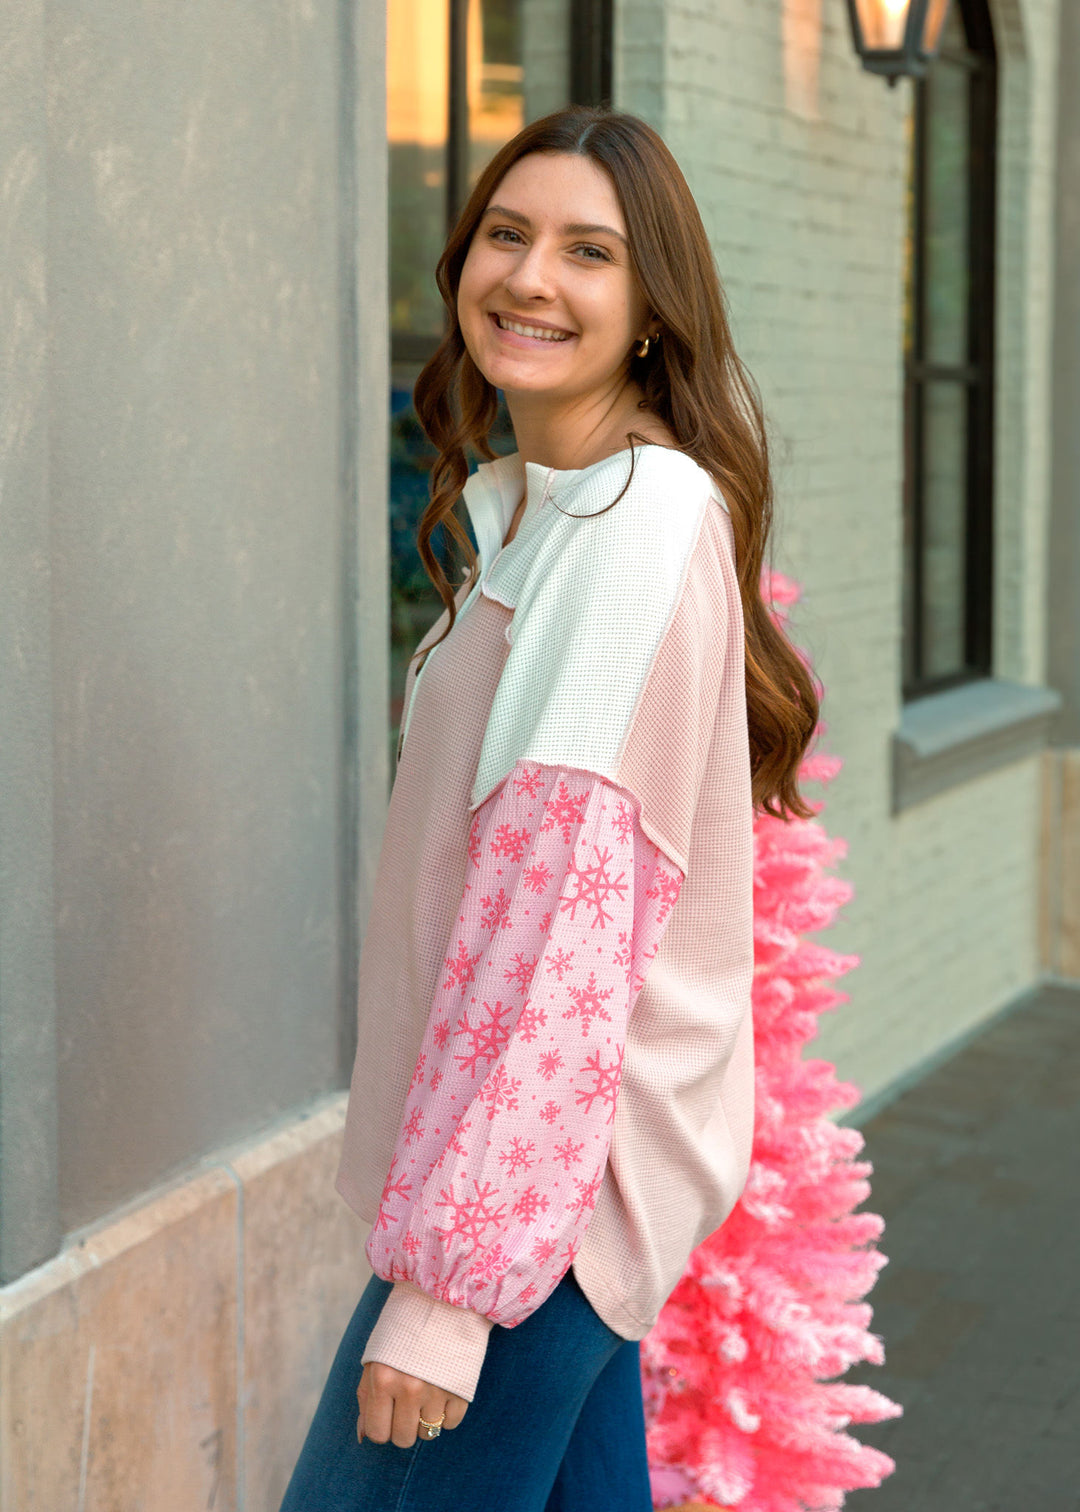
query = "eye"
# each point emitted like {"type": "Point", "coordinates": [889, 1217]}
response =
{"type": "Point", "coordinates": [498, 232]}
{"type": "Point", "coordinates": [589, 247]}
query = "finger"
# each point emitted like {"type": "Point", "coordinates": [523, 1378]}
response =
{"type": "Point", "coordinates": [456, 1408]}
{"type": "Point", "coordinates": [407, 1398]}
{"type": "Point", "coordinates": [433, 1409]}
{"type": "Point", "coordinates": [379, 1405]}
{"type": "Point", "coordinates": [361, 1401]}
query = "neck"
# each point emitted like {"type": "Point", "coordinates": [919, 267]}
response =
{"type": "Point", "coordinates": [577, 432]}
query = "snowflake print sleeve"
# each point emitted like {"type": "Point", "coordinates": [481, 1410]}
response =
{"type": "Point", "coordinates": [505, 1134]}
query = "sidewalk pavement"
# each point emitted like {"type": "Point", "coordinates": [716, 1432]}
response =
{"type": "Point", "coordinates": [977, 1174]}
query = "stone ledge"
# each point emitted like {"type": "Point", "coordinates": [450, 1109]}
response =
{"type": "Point", "coordinates": [171, 1355]}
{"type": "Point", "coordinates": [951, 737]}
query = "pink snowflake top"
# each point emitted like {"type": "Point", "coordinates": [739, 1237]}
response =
{"type": "Point", "coordinates": [505, 1134]}
{"type": "Point", "coordinates": [575, 756]}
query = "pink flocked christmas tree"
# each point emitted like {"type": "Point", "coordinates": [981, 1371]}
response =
{"type": "Point", "coordinates": [741, 1402]}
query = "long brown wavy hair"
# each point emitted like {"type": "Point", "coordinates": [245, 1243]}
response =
{"type": "Point", "coordinates": [692, 379]}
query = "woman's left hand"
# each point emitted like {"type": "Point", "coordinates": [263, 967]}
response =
{"type": "Point", "coordinates": [392, 1404]}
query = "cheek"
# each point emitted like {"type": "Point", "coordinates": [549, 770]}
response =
{"type": "Point", "coordinates": [469, 288]}
{"type": "Point", "coordinates": [613, 315]}
{"type": "Point", "coordinates": [479, 273]}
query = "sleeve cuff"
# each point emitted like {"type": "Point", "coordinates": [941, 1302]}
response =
{"type": "Point", "coordinates": [434, 1340]}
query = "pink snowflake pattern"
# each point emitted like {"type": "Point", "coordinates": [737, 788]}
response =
{"type": "Point", "coordinates": [499, 1091]}
{"type": "Point", "coordinates": [391, 1188]}
{"type": "Point", "coordinates": [530, 1205]}
{"type": "Point", "coordinates": [509, 842]}
{"type": "Point", "coordinates": [496, 914]}
{"type": "Point", "coordinates": [623, 822]}
{"type": "Point", "coordinates": [589, 1003]}
{"type": "Point", "coordinates": [537, 877]}
{"type": "Point", "coordinates": [545, 1061]}
{"type": "Point", "coordinates": [521, 972]}
{"type": "Point", "coordinates": [563, 811]}
{"type": "Point", "coordinates": [516, 1155]}
{"type": "Point", "coordinates": [639, 976]}
{"type": "Point", "coordinates": [606, 1085]}
{"type": "Point", "coordinates": [462, 968]}
{"type": "Point", "coordinates": [595, 888]}
{"type": "Point", "coordinates": [586, 1197]}
{"type": "Point", "coordinates": [493, 1263]}
{"type": "Point", "coordinates": [569, 1152]}
{"type": "Point", "coordinates": [550, 1063]}
{"type": "Point", "coordinates": [472, 1216]}
{"type": "Point", "coordinates": [543, 1250]}
{"type": "Point", "coordinates": [489, 1039]}
{"type": "Point", "coordinates": [456, 1146]}
{"type": "Point", "coordinates": [527, 784]}
{"type": "Point", "coordinates": [666, 888]}
{"type": "Point", "coordinates": [560, 962]}
{"type": "Point", "coordinates": [625, 952]}
{"type": "Point", "coordinates": [530, 1022]}
{"type": "Point", "coordinates": [440, 1288]}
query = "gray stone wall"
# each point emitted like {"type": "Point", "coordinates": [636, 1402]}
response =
{"type": "Point", "coordinates": [192, 459]}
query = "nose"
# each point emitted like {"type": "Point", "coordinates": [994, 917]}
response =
{"type": "Point", "coordinates": [532, 276]}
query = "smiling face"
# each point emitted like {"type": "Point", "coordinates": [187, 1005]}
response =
{"type": "Point", "coordinates": [548, 303]}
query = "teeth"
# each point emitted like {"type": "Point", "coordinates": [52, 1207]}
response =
{"type": "Point", "coordinates": [527, 330]}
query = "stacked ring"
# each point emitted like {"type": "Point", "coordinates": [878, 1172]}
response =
{"type": "Point", "coordinates": [433, 1429]}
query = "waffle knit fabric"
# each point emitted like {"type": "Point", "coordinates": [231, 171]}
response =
{"type": "Point", "coordinates": [604, 644]}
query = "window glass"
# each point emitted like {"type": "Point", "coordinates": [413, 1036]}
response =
{"type": "Point", "coordinates": [417, 66]}
{"type": "Point", "coordinates": [947, 201]}
{"type": "Point", "coordinates": [948, 323]}
{"type": "Point", "coordinates": [516, 68]}
{"type": "Point", "coordinates": [496, 91]}
{"type": "Point", "coordinates": [944, 532]}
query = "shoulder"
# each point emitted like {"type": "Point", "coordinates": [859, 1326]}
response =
{"type": "Point", "coordinates": [595, 584]}
{"type": "Point", "coordinates": [626, 527]}
{"type": "Point", "coordinates": [657, 487]}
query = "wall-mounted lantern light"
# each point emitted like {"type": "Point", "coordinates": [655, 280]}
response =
{"type": "Point", "coordinates": [897, 37]}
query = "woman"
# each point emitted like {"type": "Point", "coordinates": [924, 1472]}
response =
{"type": "Point", "coordinates": [551, 1104]}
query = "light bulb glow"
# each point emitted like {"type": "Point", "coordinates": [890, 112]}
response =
{"type": "Point", "coordinates": [883, 22]}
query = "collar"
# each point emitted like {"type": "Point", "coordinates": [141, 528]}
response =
{"type": "Point", "coordinates": [493, 492]}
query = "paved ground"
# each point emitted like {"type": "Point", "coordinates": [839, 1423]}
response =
{"type": "Point", "coordinates": [977, 1173]}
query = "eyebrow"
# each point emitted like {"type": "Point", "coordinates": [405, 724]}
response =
{"type": "Point", "coordinates": [574, 228]}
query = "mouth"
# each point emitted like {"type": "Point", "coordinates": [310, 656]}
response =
{"type": "Point", "coordinates": [530, 332]}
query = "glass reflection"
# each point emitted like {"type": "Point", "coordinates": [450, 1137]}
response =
{"type": "Point", "coordinates": [417, 85]}
{"type": "Point", "coordinates": [517, 68]}
{"type": "Point", "coordinates": [947, 210]}
{"type": "Point", "coordinates": [944, 595]}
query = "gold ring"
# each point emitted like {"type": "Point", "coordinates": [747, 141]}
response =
{"type": "Point", "coordinates": [433, 1429]}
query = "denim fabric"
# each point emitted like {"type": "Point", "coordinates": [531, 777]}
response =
{"type": "Point", "coordinates": [557, 1425]}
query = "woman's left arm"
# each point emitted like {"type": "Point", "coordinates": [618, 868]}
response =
{"type": "Point", "coordinates": [507, 1124]}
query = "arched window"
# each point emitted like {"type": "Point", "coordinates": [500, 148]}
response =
{"type": "Point", "coordinates": [463, 76]}
{"type": "Point", "coordinates": [949, 361]}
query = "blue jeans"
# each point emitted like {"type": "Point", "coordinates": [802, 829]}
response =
{"type": "Point", "coordinates": [556, 1425]}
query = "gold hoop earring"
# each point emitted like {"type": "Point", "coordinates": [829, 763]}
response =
{"type": "Point", "coordinates": [643, 349]}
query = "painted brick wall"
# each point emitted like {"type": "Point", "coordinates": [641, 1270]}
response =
{"type": "Point", "coordinates": [797, 158]}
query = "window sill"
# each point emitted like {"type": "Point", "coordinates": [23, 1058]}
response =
{"type": "Point", "coordinates": [951, 737]}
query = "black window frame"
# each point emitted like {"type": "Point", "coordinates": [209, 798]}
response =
{"type": "Point", "coordinates": [976, 374]}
